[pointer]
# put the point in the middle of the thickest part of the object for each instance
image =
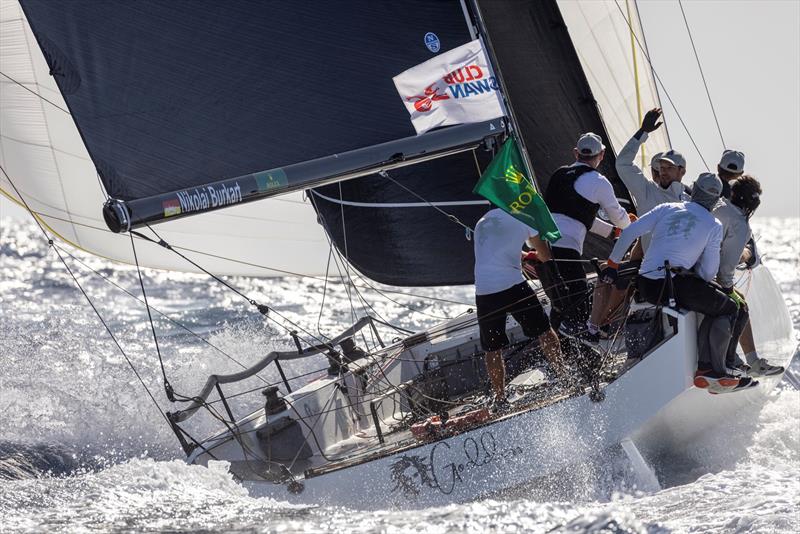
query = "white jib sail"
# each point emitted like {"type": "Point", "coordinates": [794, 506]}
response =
{"type": "Point", "coordinates": [43, 154]}
{"type": "Point", "coordinates": [601, 35]}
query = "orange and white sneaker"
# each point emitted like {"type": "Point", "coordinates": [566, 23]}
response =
{"type": "Point", "coordinates": [714, 382]}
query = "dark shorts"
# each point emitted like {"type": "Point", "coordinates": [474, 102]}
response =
{"type": "Point", "coordinates": [522, 303]}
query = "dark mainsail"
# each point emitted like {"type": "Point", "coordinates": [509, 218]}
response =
{"type": "Point", "coordinates": [553, 104]}
{"type": "Point", "coordinates": [186, 106]}
{"type": "Point", "coordinates": [173, 95]}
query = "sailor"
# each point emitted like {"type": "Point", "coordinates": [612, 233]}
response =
{"type": "Point", "coordinates": [687, 235]}
{"type": "Point", "coordinates": [666, 184]}
{"type": "Point", "coordinates": [730, 167]}
{"type": "Point", "coordinates": [734, 214]}
{"type": "Point", "coordinates": [574, 195]}
{"type": "Point", "coordinates": [609, 302]}
{"type": "Point", "coordinates": [501, 289]}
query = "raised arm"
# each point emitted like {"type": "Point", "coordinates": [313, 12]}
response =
{"type": "Point", "coordinates": [640, 187]}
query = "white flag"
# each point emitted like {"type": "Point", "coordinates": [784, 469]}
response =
{"type": "Point", "coordinates": [456, 87]}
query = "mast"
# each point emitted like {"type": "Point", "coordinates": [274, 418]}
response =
{"type": "Point", "coordinates": [492, 58]}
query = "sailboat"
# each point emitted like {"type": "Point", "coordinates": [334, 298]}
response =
{"type": "Point", "coordinates": [259, 140]}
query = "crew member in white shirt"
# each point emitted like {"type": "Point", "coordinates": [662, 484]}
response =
{"type": "Point", "coordinates": [574, 195]}
{"type": "Point", "coordinates": [501, 289]}
{"type": "Point", "coordinates": [687, 235]}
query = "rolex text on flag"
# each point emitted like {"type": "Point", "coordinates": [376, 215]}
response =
{"type": "Point", "coordinates": [506, 184]}
{"type": "Point", "coordinates": [456, 87]}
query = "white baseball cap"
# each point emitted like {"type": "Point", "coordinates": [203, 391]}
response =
{"type": "Point", "coordinates": [655, 159]}
{"type": "Point", "coordinates": [674, 157]}
{"type": "Point", "coordinates": [732, 161]}
{"type": "Point", "coordinates": [590, 144]}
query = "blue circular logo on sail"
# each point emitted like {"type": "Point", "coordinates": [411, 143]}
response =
{"type": "Point", "coordinates": [432, 42]}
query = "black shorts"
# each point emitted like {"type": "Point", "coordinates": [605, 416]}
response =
{"type": "Point", "coordinates": [522, 303]}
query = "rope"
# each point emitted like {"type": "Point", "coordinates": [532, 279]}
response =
{"type": "Point", "coordinates": [263, 309]}
{"type": "Point", "coordinates": [702, 75]}
{"type": "Point", "coordinates": [89, 300]}
{"type": "Point", "coordinates": [167, 386]}
{"type": "Point", "coordinates": [35, 94]}
{"type": "Point", "coordinates": [636, 79]}
{"type": "Point", "coordinates": [450, 216]}
{"type": "Point", "coordinates": [663, 87]}
{"type": "Point", "coordinates": [162, 314]}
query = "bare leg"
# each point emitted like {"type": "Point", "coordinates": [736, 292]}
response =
{"type": "Point", "coordinates": [600, 303]}
{"type": "Point", "coordinates": [496, 368]}
{"type": "Point", "coordinates": [552, 351]}
{"type": "Point", "coordinates": [746, 340]}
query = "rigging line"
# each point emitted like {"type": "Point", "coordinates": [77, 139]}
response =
{"type": "Point", "coordinates": [324, 290]}
{"type": "Point", "coordinates": [264, 310]}
{"type": "Point", "coordinates": [450, 216]}
{"type": "Point", "coordinates": [331, 250]}
{"type": "Point", "coordinates": [364, 305]}
{"type": "Point", "coordinates": [162, 314]}
{"type": "Point", "coordinates": [35, 93]}
{"type": "Point", "coordinates": [666, 93]}
{"type": "Point", "coordinates": [349, 295]}
{"type": "Point", "coordinates": [96, 311]}
{"type": "Point", "coordinates": [344, 235]}
{"type": "Point", "coordinates": [702, 74]}
{"type": "Point", "coordinates": [249, 264]}
{"type": "Point", "coordinates": [167, 386]}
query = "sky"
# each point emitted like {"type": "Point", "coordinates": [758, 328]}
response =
{"type": "Point", "coordinates": [750, 54]}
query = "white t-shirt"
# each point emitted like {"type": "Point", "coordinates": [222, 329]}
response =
{"type": "Point", "coordinates": [498, 243]}
{"type": "Point", "coordinates": [595, 188]}
{"type": "Point", "coordinates": [684, 233]}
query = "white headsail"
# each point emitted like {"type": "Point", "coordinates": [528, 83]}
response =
{"type": "Point", "coordinates": [608, 53]}
{"type": "Point", "coordinates": [44, 156]}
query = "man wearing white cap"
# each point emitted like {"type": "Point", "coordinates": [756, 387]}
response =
{"type": "Point", "coordinates": [665, 186]}
{"type": "Point", "coordinates": [574, 195]}
{"type": "Point", "coordinates": [687, 235]}
{"type": "Point", "coordinates": [730, 167]}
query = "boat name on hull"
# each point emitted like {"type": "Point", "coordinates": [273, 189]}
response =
{"type": "Point", "coordinates": [445, 466]}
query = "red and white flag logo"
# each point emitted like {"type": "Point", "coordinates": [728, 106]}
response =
{"type": "Point", "coordinates": [456, 87]}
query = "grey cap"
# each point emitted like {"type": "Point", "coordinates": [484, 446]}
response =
{"type": "Point", "coordinates": [732, 161]}
{"type": "Point", "coordinates": [674, 157]}
{"type": "Point", "coordinates": [654, 161]}
{"type": "Point", "coordinates": [708, 183]}
{"type": "Point", "coordinates": [590, 144]}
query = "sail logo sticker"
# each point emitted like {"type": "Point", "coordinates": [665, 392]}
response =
{"type": "Point", "coordinates": [171, 207]}
{"type": "Point", "coordinates": [269, 180]}
{"type": "Point", "coordinates": [424, 102]}
{"type": "Point", "coordinates": [432, 42]}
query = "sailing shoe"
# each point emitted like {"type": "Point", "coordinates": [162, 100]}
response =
{"type": "Point", "coordinates": [762, 367]}
{"type": "Point", "coordinates": [708, 379]}
{"type": "Point", "coordinates": [744, 383]}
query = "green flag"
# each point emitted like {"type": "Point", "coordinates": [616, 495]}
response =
{"type": "Point", "coordinates": [506, 184]}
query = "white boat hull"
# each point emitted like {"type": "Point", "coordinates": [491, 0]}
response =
{"type": "Point", "coordinates": [654, 404]}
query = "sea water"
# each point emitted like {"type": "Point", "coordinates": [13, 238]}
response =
{"type": "Point", "coordinates": [84, 449]}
